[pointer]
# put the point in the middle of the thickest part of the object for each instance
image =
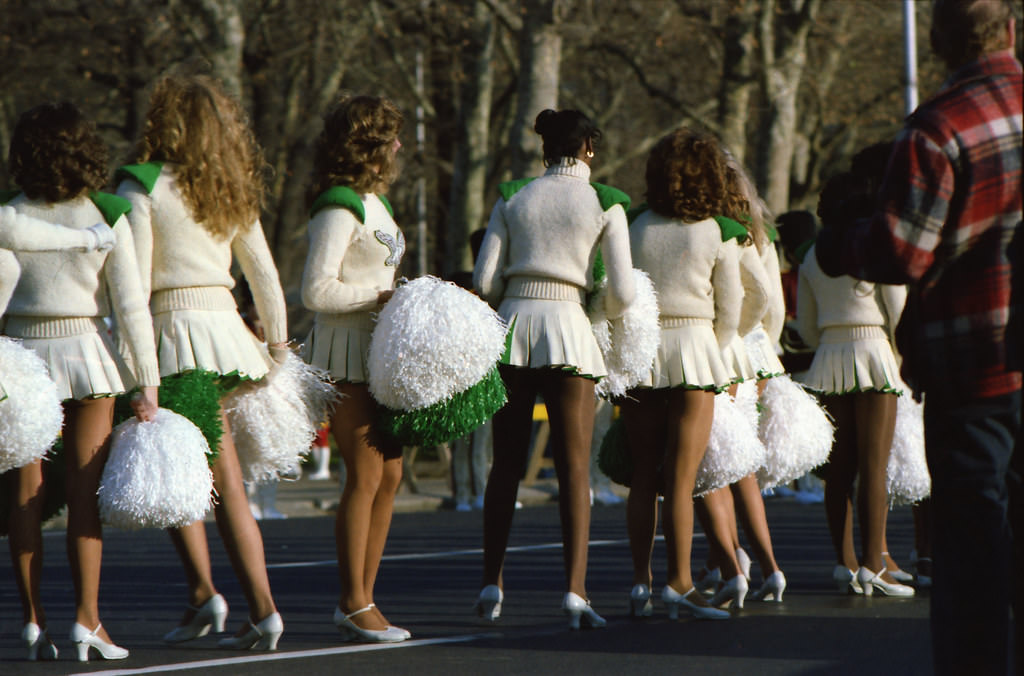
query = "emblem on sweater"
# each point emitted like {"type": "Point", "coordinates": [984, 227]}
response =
{"type": "Point", "coordinates": [396, 247]}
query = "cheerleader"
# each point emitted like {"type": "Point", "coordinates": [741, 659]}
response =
{"type": "Point", "coordinates": [355, 249]}
{"type": "Point", "coordinates": [536, 266]}
{"type": "Point", "coordinates": [695, 270]}
{"type": "Point", "coordinates": [752, 358]}
{"type": "Point", "coordinates": [196, 191]}
{"type": "Point", "coordinates": [57, 310]}
{"type": "Point", "coordinates": [851, 324]}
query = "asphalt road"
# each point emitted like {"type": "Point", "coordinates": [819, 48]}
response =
{"type": "Point", "coordinates": [430, 579]}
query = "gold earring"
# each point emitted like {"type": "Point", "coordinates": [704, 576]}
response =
{"type": "Point", "coordinates": [590, 153]}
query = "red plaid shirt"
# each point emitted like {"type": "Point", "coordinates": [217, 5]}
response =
{"type": "Point", "coordinates": [948, 208]}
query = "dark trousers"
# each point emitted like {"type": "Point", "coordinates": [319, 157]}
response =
{"type": "Point", "coordinates": [970, 446]}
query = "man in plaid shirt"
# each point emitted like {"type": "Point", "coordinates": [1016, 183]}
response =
{"type": "Point", "coordinates": [948, 209]}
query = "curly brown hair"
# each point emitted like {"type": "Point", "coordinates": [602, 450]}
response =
{"type": "Point", "coordinates": [56, 154]}
{"type": "Point", "coordinates": [357, 145]}
{"type": "Point", "coordinates": [686, 176]}
{"type": "Point", "coordinates": [193, 124]}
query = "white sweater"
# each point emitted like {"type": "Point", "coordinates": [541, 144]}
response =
{"type": "Point", "coordinates": [64, 284]}
{"type": "Point", "coordinates": [551, 228]}
{"type": "Point", "coordinates": [775, 312]}
{"type": "Point", "coordinates": [694, 272]}
{"type": "Point", "coordinates": [755, 282]}
{"type": "Point", "coordinates": [349, 263]}
{"type": "Point", "coordinates": [175, 252]}
{"type": "Point", "coordinates": [824, 302]}
{"type": "Point", "coordinates": [19, 232]}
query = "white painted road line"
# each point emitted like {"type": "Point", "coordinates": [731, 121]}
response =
{"type": "Point", "coordinates": [456, 552]}
{"type": "Point", "coordinates": [295, 655]}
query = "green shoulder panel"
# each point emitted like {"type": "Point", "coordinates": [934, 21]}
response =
{"type": "Point", "coordinates": [634, 213]}
{"type": "Point", "coordinates": [340, 196]}
{"type": "Point", "coordinates": [7, 195]}
{"type": "Point", "coordinates": [773, 232]}
{"type": "Point", "coordinates": [609, 196]}
{"type": "Point", "coordinates": [387, 205]}
{"type": "Point", "coordinates": [801, 251]}
{"type": "Point", "coordinates": [731, 229]}
{"type": "Point", "coordinates": [111, 206]}
{"type": "Point", "coordinates": [509, 188]}
{"type": "Point", "coordinates": [146, 174]}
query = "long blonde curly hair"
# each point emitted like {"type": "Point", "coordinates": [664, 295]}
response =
{"type": "Point", "coordinates": [193, 124]}
{"type": "Point", "coordinates": [743, 204]}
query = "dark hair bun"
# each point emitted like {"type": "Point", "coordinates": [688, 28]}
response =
{"type": "Point", "coordinates": [545, 122]}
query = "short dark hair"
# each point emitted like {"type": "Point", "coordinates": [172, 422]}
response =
{"type": "Point", "coordinates": [563, 132]}
{"type": "Point", "coordinates": [56, 153]}
{"type": "Point", "coordinates": [964, 30]}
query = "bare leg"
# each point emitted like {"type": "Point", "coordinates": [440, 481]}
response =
{"type": "Point", "coordinates": [842, 470]}
{"type": "Point", "coordinates": [190, 543]}
{"type": "Point", "coordinates": [750, 510]}
{"type": "Point", "coordinates": [362, 501]}
{"type": "Point", "coordinates": [511, 439]}
{"type": "Point", "coordinates": [25, 538]}
{"type": "Point", "coordinates": [570, 403]}
{"type": "Point", "coordinates": [688, 429]}
{"type": "Point", "coordinates": [644, 416]}
{"type": "Point", "coordinates": [719, 529]}
{"type": "Point", "coordinates": [876, 420]}
{"type": "Point", "coordinates": [87, 426]}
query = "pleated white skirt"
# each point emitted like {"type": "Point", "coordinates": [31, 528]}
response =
{"type": "Point", "coordinates": [551, 334]}
{"type": "Point", "coordinates": [200, 328]}
{"type": "Point", "coordinates": [340, 344]}
{"type": "Point", "coordinates": [736, 360]}
{"type": "Point", "coordinates": [688, 356]}
{"type": "Point", "coordinates": [853, 359]}
{"type": "Point", "coordinates": [78, 352]}
{"type": "Point", "coordinates": [761, 352]}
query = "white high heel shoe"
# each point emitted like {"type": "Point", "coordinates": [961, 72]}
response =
{"type": "Point", "coordinates": [488, 606]}
{"type": "Point", "coordinates": [210, 615]}
{"type": "Point", "coordinates": [872, 581]}
{"type": "Point", "coordinates": [85, 639]}
{"type": "Point", "coordinates": [708, 584]}
{"type": "Point", "coordinates": [846, 580]}
{"type": "Point", "coordinates": [744, 560]}
{"type": "Point", "coordinates": [771, 589]}
{"type": "Point", "coordinates": [640, 601]}
{"type": "Point", "coordinates": [262, 636]}
{"type": "Point", "coordinates": [578, 609]}
{"type": "Point", "coordinates": [673, 600]}
{"type": "Point", "coordinates": [735, 590]}
{"type": "Point", "coordinates": [901, 576]}
{"type": "Point", "coordinates": [39, 645]}
{"type": "Point", "coordinates": [354, 632]}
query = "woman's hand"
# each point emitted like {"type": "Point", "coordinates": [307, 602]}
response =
{"type": "Point", "coordinates": [385, 296]}
{"type": "Point", "coordinates": [145, 403]}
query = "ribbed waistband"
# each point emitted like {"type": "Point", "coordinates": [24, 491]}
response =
{"type": "Point", "coordinates": [676, 322]}
{"type": "Point", "coordinates": [21, 326]}
{"type": "Point", "coordinates": [348, 320]}
{"type": "Point", "coordinates": [543, 288]}
{"type": "Point", "coordinates": [192, 298]}
{"type": "Point", "coordinates": [845, 334]}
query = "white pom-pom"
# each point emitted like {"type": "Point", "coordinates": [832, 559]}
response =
{"type": "Point", "coordinates": [30, 412]}
{"type": "Point", "coordinates": [746, 399]}
{"type": "Point", "coordinates": [733, 452]}
{"type": "Point", "coordinates": [796, 432]}
{"type": "Point", "coordinates": [628, 343]}
{"type": "Point", "coordinates": [907, 477]}
{"type": "Point", "coordinates": [432, 340]}
{"type": "Point", "coordinates": [274, 420]}
{"type": "Point", "coordinates": [156, 475]}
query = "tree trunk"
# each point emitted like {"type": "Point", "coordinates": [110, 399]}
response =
{"type": "Point", "coordinates": [783, 71]}
{"type": "Point", "coordinates": [738, 79]}
{"type": "Point", "coordinates": [469, 171]}
{"type": "Point", "coordinates": [540, 57]}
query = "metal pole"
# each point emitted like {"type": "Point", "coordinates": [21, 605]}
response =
{"type": "Point", "coordinates": [421, 182]}
{"type": "Point", "coordinates": [910, 55]}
